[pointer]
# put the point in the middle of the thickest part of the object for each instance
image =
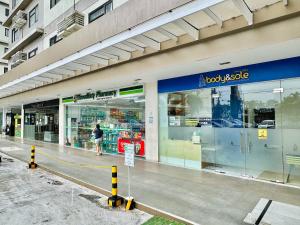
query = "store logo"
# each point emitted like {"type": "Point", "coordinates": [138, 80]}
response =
{"type": "Point", "coordinates": [242, 75]}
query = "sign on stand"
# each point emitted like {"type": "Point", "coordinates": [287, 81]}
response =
{"type": "Point", "coordinates": [129, 155]}
{"type": "Point", "coordinates": [129, 161]}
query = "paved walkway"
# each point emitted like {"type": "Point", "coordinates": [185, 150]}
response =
{"type": "Point", "coordinates": [206, 198]}
{"type": "Point", "coordinates": [38, 197]}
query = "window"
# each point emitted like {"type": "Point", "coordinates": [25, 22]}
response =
{"type": "Point", "coordinates": [32, 53]}
{"type": "Point", "coordinates": [6, 32]}
{"type": "Point", "coordinates": [53, 3]}
{"type": "Point", "coordinates": [54, 40]}
{"type": "Point", "coordinates": [5, 69]}
{"type": "Point", "coordinates": [33, 15]}
{"type": "Point", "coordinates": [14, 3]}
{"type": "Point", "coordinates": [6, 11]}
{"type": "Point", "coordinates": [100, 11]}
{"type": "Point", "coordinates": [14, 35]}
{"type": "Point", "coordinates": [5, 49]}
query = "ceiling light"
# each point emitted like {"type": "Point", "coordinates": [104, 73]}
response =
{"type": "Point", "coordinates": [224, 63]}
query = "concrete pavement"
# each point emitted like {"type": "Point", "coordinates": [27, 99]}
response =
{"type": "Point", "coordinates": [37, 197]}
{"type": "Point", "coordinates": [202, 197]}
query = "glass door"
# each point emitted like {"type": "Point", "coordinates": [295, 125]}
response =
{"type": "Point", "coordinates": [262, 131]}
{"type": "Point", "coordinates": [227, 107]}
{"type": "Point", "coordinates": [290, 107]}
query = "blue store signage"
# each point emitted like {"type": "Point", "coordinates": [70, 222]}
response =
{"type": "Point", "coordinates": [280, 69]}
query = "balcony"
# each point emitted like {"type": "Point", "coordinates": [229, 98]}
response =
{"type": "Point", "coordinates": [19, 20]}
{"type": "Point", "coordinates": [18, 58]}
{"type": "Point", "coordinates": [19, 45]}
{"type": "Point", "coordinates": [21, 5]}
{"type": "Point", "coordinates": [70, 24]}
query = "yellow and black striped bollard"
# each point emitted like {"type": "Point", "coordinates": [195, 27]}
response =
{"type": "Point", "coordinates": [114, 200]}
{"type": "Point", "coordinates": [32, 164]}
{"type": "Point", "coordinates": [129, 203]}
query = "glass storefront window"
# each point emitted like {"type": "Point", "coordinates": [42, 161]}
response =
{"type": "Point", "coordinates": [122, 120]}
{"type": "Point", "coordinates": [250, 129]}
{"type": "Point", "coordinates": [41, 122]}
{"type": "Point", "coordinates": [185, 119]}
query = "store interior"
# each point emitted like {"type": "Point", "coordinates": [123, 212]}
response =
{"type": "Point", "coordinates": [121, 119]}
{"type": "Point", "coordinates": [42, 124]}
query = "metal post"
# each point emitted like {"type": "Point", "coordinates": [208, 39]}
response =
{"type": "Point", "coordinates": [32, 164]}
{"type": "Point", "coordinates": [129, 192]}
{"type": "Point", "coordinates": [114, 200]}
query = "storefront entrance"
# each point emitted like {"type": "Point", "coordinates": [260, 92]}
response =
{"type": "Point", "coordinates": [248, 130]}
{"type": "Point", "coordinates": [120, 114]}
{"type": "Point", "coordinates": [41, 121]}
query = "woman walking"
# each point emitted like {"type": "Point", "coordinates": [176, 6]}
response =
{"type": "Point", "coordinates": [98, 139]}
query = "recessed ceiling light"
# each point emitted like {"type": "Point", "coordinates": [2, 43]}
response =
{"type": "Point", "coordinates": [137, 80]}
{"type": "Point", "coordinates": [224, 63]}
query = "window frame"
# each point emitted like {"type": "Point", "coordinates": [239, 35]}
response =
{"type": "Point", "coordinates": [55, 40]}
{"type": "Point", "coordinates": [6, 32]}
{"type": "Point", "coordinates": [6, 11]}
{"type": "Point", "coordinates": [5, 69]}
{"type": "Point", "coordinates": [32, 51]}
{"type": "Point", "coordinates": [53, 3]}
{"type": "Point", "coordinates": [104, 7]}
{"type": "Point", "coordinates": [33, 14]}
{"type": "Point", "coordinates": [14, 32]}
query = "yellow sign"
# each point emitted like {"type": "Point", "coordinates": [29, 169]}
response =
{"type": "Point", "coordinates": [262, 134]}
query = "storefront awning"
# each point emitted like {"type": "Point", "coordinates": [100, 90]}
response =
{"type": "Point", "coordinates": [150, 36]}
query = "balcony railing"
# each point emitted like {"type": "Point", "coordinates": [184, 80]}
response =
{"type": "Point", "coordinates": [70, 24]}
{"type": "Point", "coordinates": [18, 58]}
{"type": "Point", "coordinates": [19, 20]}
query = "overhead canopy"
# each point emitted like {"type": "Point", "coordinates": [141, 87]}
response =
{"type": "Point", "coordinates": [184, 21]}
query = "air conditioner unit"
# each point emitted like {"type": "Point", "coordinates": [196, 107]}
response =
{"type": "Point", "coordinates": [18, 58]}
{"type": "Point", "coordinates": [70, 24]}
{"type": "Point", "coordinates": [19, 20]}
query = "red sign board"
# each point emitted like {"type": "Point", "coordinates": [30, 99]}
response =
{"type": "Point", "coordinates": [139, 146]}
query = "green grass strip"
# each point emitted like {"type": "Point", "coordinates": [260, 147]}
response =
{"type": "Point", "coordinates": [156, 220]}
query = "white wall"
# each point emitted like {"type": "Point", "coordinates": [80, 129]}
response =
{"type": "Point", "coordinates": [25, 30]}
{"type": "Point", "coordinates": [59, 9]}
{"type": "Point", "coordinates": [151, 120]}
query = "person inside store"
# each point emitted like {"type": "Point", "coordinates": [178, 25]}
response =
{"type": "Point", "coordinates": [98, 139]}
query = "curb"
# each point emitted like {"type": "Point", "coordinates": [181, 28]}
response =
{"type": "Point", "coordinates": [141, 206]}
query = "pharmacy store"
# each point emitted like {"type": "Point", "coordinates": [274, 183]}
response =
{"type": "Point", "coordinates": [242, 121]}
{"type": "Point", "coordinates": [120, 113]}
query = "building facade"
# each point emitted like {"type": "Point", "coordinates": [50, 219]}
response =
{"type": "Point", "coordinates": [207, 85]}
{"type": "Point", "coordinates": [4, 35]}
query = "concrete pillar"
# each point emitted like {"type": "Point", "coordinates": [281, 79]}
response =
{"type": "Point", "coordinates": [61, 119]}
{"type": "Point", "coordinates": [4, 117]}
{"type": "Point", "coordinates": [22, 121]}
{"type": "Point", "coordinates": [151, 120]}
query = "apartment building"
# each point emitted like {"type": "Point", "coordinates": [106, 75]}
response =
{"type": "Point", "coordinates": [204, 84]}
{"type": "Point", "coordinates": [36, 25]}
{"type": "Point", "coordinates": [4, 35]}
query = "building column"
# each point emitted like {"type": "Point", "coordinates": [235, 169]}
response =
{"type": "Point", "coordinates": [22, 121]}
{"type": "Point", "coordinates": [4, 118]}
{"type": "Point", "coordinates": [61, 122]}
{"type": "Point", "coordinates": [151, 121]}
